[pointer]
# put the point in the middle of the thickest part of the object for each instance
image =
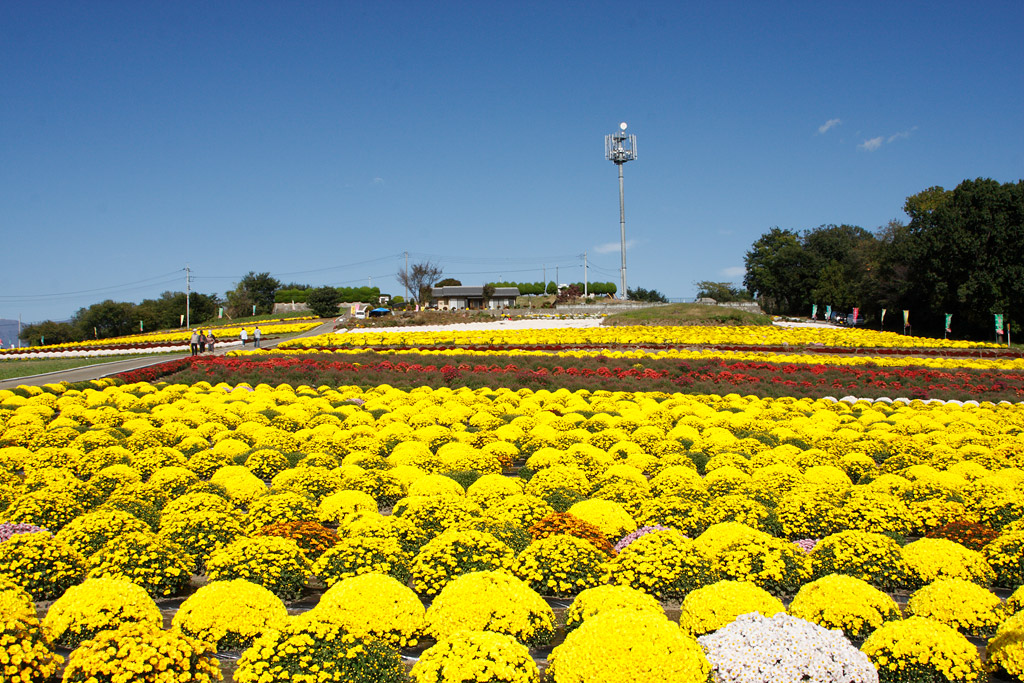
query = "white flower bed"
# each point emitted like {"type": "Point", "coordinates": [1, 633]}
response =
{"type": "Point", "coordinates": [754, 649]}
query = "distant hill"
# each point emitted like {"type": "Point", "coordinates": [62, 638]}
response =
{"type": "Point", "coordinates": [8, 333]}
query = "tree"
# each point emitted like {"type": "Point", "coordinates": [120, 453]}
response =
{"type": "Point", "coordinates": [641, 294]}
{"type": "Point", "coordinates": [720, 291]}
{"type": "Point", "coordinates": [777, 272]}
{"type": "Point", "coordinates": [323, 301]}
{"type": "Point", "coordinates": [419, 279]}
{"type": "Point", "coordinates": [552, 288]}
{"type": "Point", "coordinates": [255, 289]}
{"type": "Point", "coordinates": [449, 282]}
{"type": "Point", "coordinates": [489, 291]}
{"type": "Point", "coordinates": [50, 332]}
{"type": "Point", "coordinates": [106, 319]}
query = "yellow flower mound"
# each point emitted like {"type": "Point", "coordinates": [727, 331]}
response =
{"type": "Point", "coordinates": [230, 614]}
{"type": "Point", "coordinates": [937, 558]}
{"type": "Point", "coordinates": [712, 607]}
{"type": "Point", "coordinates": [1005, 651]}
{"type": "Point", "coordinates": [625, 646]}
{"type": "Point", "coordinates": [476, 656]}
{"type": "Point", "coordinates": [142, 653]}
{"type": "Point", "coordinates": [922, 649]}
{"type": "Point", "coordinates": [491, 601]}
{"type": "Point", "coordinates": [337, 506]}
{"type": "Point", "coordinates": [841, 602]}
{"type": "Point", "coordinates": [25, 653]}
{"type": "Point", "coordinates": [97, 605]}
{"type": "Point", "coordinates": [964, 605]}
{"type": "Point", "coordinates": [600, 599]}
{"type": "Point", "coordinates": [608, 516]}
{"type": "Point", "coordinates": [372, 605]}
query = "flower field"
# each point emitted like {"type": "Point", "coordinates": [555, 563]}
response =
{"type": "Point", "coordinates": [517, 514]}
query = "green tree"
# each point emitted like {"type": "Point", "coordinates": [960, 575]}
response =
{"type": "Point", "coordinates": [778, 272]}
{"type": "Point", "coordinates": [641, 294]}
{"type": "Point", "coordinates": [255, 289]}
{"type": "Point", "coordinates": [106, 319]}
{"type": "Point", "coordinates": [723, 292]}
{"type": "Point", "coordinates": [50, 332]}
{"type": "Point", "coordinates": [323, 301]}
{"type": "Point", "coordinates": [449, 282]}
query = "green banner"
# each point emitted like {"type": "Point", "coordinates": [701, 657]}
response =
{"type": "Point", "coordinates": [949, 322]}
{"type": "Point", "coordinates": [999, 323]}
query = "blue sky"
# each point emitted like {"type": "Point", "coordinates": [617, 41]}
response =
{"type": "Point", "coordinates": [321, 141]}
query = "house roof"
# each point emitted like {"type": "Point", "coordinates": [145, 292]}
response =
{"type": "Point", "coordinates": [439, 292]}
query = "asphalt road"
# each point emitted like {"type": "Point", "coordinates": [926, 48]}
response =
{"type": "Point", "coordinates": [107, 368]}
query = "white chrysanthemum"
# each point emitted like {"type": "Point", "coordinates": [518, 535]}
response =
{"type": "Point", "coordinates": [755, 648]}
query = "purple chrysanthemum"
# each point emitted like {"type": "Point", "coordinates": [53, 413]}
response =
{"type": "Point", "coordinates": [8, 529]}
{"type": "Point", "coordinates": [806, 544]}
{"type": "Point", "coordinates": [642, 531]}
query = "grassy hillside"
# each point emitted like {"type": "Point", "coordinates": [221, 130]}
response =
{"type": "Point", "coordinates": [688, 314]}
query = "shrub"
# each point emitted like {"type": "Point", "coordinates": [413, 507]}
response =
{"type": "Point", "coordinates": [558, 523]}
{"type": "Point", "coordinates": [601, 599]}
{"type": "Point", "coordinates": [279, 507]}
{"type": "Point", "coordinates": [664, 564]}
{"type": "Point", "coordinates": [560, 565]}
{"type": "Point", "coordinates": [476, 656]}
{"type": "Point", "coordinates": [305, 646]}
{"type": "Point", "coordinates": [848, 604]}
{"type": "Point", "coordinates": [919, 649]}
{"type": "Point", "coordinates": [200, 533]}
{"type": "Point", "coordinates": [98, 605]}
{"type": "Point", "coordinates": [783, 648]}
{"type": "Point", "coordinates": [491, 601]}
{"type": "Point", "coordinates": [436, 514]}
{"type": "Point", "coordinates": [275, 563]}
{"type": "Point", "coordinates": [608, 516]}
{"type": "Point", "coordinates": [633, 646]}
{"type": "Point", "coordinates": [872, 557]}
{"type": "Point", "coordinates": [964, 605]}
{"type": "Point", "coordinates": [154, 563]}
{"type": "Point", "coordinates": [360, 555]}
{"type": "Point", "coordinates": [150, 653]}
{"type": "Point", "coordinates": [229, 615]}
{"type": "Point", "coordinates": [454, 553]}
{"type": "Point", "coordinates": [336, 506]}
{"type": "Point", "coordinates": [1006, 557]}
{"type": "Point", "coordinates": [25, 653]}
{"type": "Point", "coordinates": [969, 534]}
{"type": "Point", "coordinates": [90, 532]}
{"type": "Point", "coordinates": [373, 606]}
{"type": "Point", "coordinates": [712, 607]}
{"type": "Point", "coordinates": [41, 565]}
{"type": "Point", "coordinates": [315, 483]}
{"type": "Point", "coordinates": [45, 508]}
{"type": "Point", "coordinates": [735, 551]}
{"type": "Point", "coordinates": [929, 559]}
{"type": "Point", "coordinates": [313, 539]}
{"type": "Point", "coordinates": [1005, 652]}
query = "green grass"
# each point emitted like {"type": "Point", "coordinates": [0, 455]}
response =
{"type": "Point", "coordinates": [688, 314]}
{"type": "Point", "coordinates": [10, 368]}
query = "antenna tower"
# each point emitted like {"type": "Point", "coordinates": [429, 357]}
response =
{"type": "Point", "coordinates": [619, 148]}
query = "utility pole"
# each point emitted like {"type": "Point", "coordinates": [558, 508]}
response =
{"type": "Point", "coordinates": [188, 293]}
{"type": "Point", "coordinates": [405, 286]}
{"type": "Point", "coordinates": [584, 275]}
{"type": "Point", "coordinates": [620, 148]}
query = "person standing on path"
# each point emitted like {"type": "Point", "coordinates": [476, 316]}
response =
{"type": "Point", "coordinates": [193, 342]}
{"type": "Point", "coordinates": [244, 336]}
{"type": "Point", "coordinates": [211, 341]}
{"type": "Point", "coordinates": [256, 336]}
{"type": "Point", "coordinates": [202, 342]}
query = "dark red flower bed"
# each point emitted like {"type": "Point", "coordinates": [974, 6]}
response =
{"type": "Point", "coordinates": [617, 374]}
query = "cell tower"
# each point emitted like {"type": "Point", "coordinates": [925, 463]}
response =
{"type": "Point", "coordinates": [619, 148]}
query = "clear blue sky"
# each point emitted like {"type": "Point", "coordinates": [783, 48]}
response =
{"type": "Point", "coordinates": [320, 141]}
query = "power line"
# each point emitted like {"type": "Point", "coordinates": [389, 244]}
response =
{"type": "Point", "coordinates": [147, 282]}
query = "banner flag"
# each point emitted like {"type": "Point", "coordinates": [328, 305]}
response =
{"type": "Point", "coordinates": [949, 321]}
{"type": "Point", "coordinates": [883, 316]}
{"type": "Point", "coordinates": [999, 323]}
{"type": "Point", "coordinates": [140, 326]}
{"type": "Point", "coordinates": [220, 312]}
{"type": "Point", "coordinates": [181, 320]}
{"type": "Point", "coordinates": [906, 317]}
{"type": "Point", "coordinates": [856, 314]}
{"type": "Point", "coordinates": [814, 311]}
{"type": "Point", "coordinates": [828, 312]}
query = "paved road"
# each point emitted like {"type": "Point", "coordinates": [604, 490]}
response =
{"type": "Point", "coordinates": [105, 369]}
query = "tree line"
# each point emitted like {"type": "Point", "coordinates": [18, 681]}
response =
{"type": "Point", "coordinates": [539, 288]}
{"type": "Point", "coordinates": [959, 252]}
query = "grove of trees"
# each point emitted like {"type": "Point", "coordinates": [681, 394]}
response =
{"type": "Point", "coordinates": [958, 253]}
{"type": "Point", "coordinates": [540, 288]}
